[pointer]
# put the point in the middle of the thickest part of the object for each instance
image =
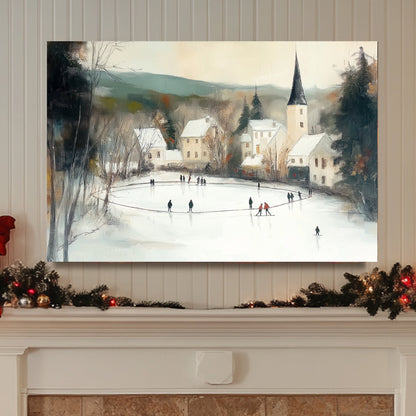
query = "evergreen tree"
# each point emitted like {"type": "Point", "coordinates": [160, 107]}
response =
{"type": "Point", "coordinates": [256, 107]}
{"type": "Point", "coordinates": [356, 120]}
{"type": "Point", "coordinates": [170, 133]}
{"type": "Point", "coordinates": [244, 119]}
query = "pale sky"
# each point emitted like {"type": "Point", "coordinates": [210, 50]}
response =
{"type": "Point", "coordinates": [247, 63]}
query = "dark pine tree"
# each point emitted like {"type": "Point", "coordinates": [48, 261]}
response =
{"type": "Point", "coordinates": [244, 119]}
{"type": "Point", "coordinates": [356, 120]}
{"type": "Point", "coordinates": [170, 133]}
{"type": "Point", "coordinates": [256, 107]}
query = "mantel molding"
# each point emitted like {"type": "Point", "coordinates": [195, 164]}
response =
{"type": "Point", "coordinates": [135, 327]}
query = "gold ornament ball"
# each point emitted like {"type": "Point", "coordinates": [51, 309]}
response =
{"type": "Point", "coordinates": [43, 301]}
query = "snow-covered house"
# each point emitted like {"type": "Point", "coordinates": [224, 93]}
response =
{"type": "Point", "coordinates": [312, 159]}
{"type": "Point", "coordinates": [154, 150]}
{"type": "Point", "coordinates": [196, 138]}
{"type": "Point", "coordinates": [267, 138]}
{"type": "Point", "coordinates": [152, 145]}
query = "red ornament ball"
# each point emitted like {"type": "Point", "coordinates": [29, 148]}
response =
{"type": "Point", "coordinates": [16, 284]}
{"type": "Point", "coordinates": [113, 302]}
{"type": "Point", "coordinates": [31, 292]}
{"type": "Point", "coordinates": [406, 281]}
{"type": "Point", "coordinates": [404, 299]}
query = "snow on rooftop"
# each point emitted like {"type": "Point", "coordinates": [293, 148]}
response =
{"type": "Point", "coordinates": [173, 155]}
{"type": "Point", "coordinates": [266, 124]}
{"type": "Point", "coordinates": [150, 138]}
{"type": "Point", "coordinates": [198, 128]}
{"type": "Point", "coordinates": [306, 144]}
{"type": "Point", "coordinates": [253, 161]}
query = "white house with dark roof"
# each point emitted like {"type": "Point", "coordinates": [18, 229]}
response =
{"type": "Point", "coordinates": [312, 158]}
{"type": "Point", "coordinates": [194, 139]}
{"type": "Point", "coordinates": [154, 150]}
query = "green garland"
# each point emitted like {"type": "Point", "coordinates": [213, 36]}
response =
{"type": "Point", "coordinates": [393, 292]}
{"type": "Point", "coordinates": [21, 282]}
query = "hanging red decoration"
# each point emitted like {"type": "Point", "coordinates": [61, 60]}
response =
{"type": "Point", "coordinates": [406, 281]}
{"type": "Point", "coordinates": [16, 284]}
{"type": "Point", "coordinates": [113, 302]}
{"type": "Point", "coordinates": [6, 224]}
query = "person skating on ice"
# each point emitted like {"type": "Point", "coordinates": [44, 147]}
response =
{"type": "Point", "coordinates": [250, 203]}
{"type": "Point", "coordinates": [266, 207]}
{"type": "Point", "coordinates": [260, 210]}
{"type": "Point", "coordinates": [191, 205]}
{"type": "Point", "coordinates": [170, 206]}
{"type": "Point", "coordinates": [317, 230]}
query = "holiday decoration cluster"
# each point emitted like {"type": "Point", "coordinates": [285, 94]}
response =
{"type": "Point", "coordinates": [395, 292]}
{"type": "Point", "coordinates": [26, 287]}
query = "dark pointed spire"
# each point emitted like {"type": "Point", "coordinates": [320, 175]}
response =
{"type": "Point", "coordinates": [297, 96]}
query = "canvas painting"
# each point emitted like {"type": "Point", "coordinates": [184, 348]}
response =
{"type": "Point", "coordinates": [212, 151]}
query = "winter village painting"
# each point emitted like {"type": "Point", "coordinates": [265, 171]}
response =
{"type": "Point", "coordinates": [212, 151]}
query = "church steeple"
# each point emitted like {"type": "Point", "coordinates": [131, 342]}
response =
{"type": "Point", "coordinates": [297, 96]}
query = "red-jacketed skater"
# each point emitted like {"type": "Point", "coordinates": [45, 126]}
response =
{"type": "Point", "coordinates": [260, 210]}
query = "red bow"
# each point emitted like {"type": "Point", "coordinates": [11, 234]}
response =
{"type": "Point", "coordinates": [6, 224]}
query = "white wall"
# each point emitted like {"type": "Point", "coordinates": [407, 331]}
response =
{"type": "Point", "coordinates": [26, 25]}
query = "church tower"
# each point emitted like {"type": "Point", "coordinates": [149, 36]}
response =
{"type": "Point", "coordinates": [297, 108]}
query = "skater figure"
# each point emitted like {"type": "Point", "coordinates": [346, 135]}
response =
{"type": "Point", "coordinates": [180, 178]}
{"type": "Point", "coordinates": [258, 185]}
{"type": "Point", "coordinates": [205, 181]}
{"type": "Point", "coordinates": [189, 179]}
{"type": "Point", "coordinates": [317, 230]}
{"type": "Point", "coordinates": [292, 196]}
{"type": "Point", "coordinates": [191, 205]}
{"type": "Point", "coordinates": [310, 191]}
{"type": "Point", "coordinates": [288, 197]}
{"type": "Point", "coordinates": [300, 195]}
{"type": "Point", "coordinates": [197, 180]}
{"type": "Point", "coordinates": [250, 203]}
{"type": "Point", "coordinates": [260, 210]}
{"type": "Point", "coordinates": [266, 207]}
{"type": "Point", "coordinates": [170, 206]}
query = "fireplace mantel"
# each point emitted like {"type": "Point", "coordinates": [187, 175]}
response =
{"type": "Point", "coordinates": [150, 350]}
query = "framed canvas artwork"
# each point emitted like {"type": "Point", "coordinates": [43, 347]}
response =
{"type": "Point", "coordinates": [212, 151]}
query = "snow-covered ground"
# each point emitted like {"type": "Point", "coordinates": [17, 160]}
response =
{"type": "Point", "coordinates": [222, 227]}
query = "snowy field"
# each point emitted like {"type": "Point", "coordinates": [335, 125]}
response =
{"type": "Point", "coordinates": [222, 227]}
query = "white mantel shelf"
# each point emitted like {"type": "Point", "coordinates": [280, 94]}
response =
{"type": "Point", "coordinates": [154, 350]}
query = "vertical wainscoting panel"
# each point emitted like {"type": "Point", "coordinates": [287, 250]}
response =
{"type": "Point", "coordinates": [26, 25]}
{"type": "Point", "coordinates": [408, 130]}
{"type": "Point", "coordinates": [378, 29]}
{"type": "Point", "coordinates": [5, 114]}
{"type": "Point", "coordinates": [394, 144]}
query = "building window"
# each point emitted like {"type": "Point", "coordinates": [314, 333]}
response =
{"type": "Point", "coordinates": [301, 111]}
{"type": "Point", "coordinates": [247, 144]}
{"type": "Point", "coordinates": [292, 160]}
{"type": "Point", "coordinates": [158, 154]}
{"type": "Point", "coordinates": [196, 155]}
{"type": "Point", "coordinates": [301, 123]}
{"type": "Point", "coordinates": [316, 162]}
{"type": "Point", "coordinates": [258, 149]}
{"type": "Point", "coordinates": [205, 153]}
{"type": "Point", "coordinates": [301, 161]}
{"type": "Point", "coordinates": [314, 178]}
{"type": "Point", "coordinates": [261, 134]}
{"type": "Point", "coordinates": [323, 161]}
{"type": "Point", "coordinates": [270, 134]}
{"type": "Point", "coordinates": [188, 154]}
{"type": "Point", "coordinates": [187, 140]}
{"type": "Point", "coordinates": [196, 140]}
{"type": "Point", "coordinates": [149, 155]}
{"type": "Point", "coordinates": [257, 135]}
{"type": "Point", "coordinates": [323, 180]}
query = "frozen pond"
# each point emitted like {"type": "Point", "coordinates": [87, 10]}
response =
{"type": "Point", "coordinates": [222, 227]}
